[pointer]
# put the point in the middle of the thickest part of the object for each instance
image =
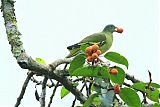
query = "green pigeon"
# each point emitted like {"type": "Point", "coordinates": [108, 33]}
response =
{"type": "Point", "coordinates": [104, 39]}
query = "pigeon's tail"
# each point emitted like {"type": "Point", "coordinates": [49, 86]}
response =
{"type": "Point", "coordinates": [77, 45]}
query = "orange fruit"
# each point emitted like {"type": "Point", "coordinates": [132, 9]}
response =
{"type": "Point", "coordinates": [119, 30]}
{"type": "Point", "coordinates": [95, 47]}
{"type": "Point", "coordinates": [113, 71]}
{"type": "Point", "coordinates": [88, 50]}
{"type": "Point", "coordinates": [116, 89]}
{"type": "Point", "coordinates": [98, 52]}
{"type": "Point", "coordinates": [94, 56]}
{"type": "Point", "coordinates": [89, 59]}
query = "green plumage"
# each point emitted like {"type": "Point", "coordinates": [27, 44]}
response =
{"type": "Point", "coordinates": [104, 39]}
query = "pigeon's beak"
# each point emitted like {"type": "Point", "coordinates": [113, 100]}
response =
{"type": "Point", "coordinates": [119, 30]}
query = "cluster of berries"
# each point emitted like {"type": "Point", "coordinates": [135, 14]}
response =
{"type": "Point", "coordinates": [92, 52]}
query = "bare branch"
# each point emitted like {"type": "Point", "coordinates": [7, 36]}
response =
{"type": "Point", "coordinates": [150, 79]}
{"type": "Point", "coordinates": [132, 78]}
{"type": "Point", "coordinates": [40, 82]}
{"type": "Point", "coordinates": [59, 62]}
{"type": "Point", "coordinates": [43, 94]}
{"type": "Point", "coordinates": [53, 93]}
{"type": "Point", "coordinates": [30, 74]}
{"type": "Point", "coordinates": [74, 101]}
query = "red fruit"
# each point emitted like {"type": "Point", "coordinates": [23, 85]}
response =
{"type": "Point", "coordinates": [94, 56]}
{"type": "Point", "coordinates": [116, 89]}
{"type": "Point", "coordinates": [119, 30]}
{"type": "Point", "coordinates": [89, 59]}
{"type": "Point", "coordinates": [88, 51]}
{"type": "Point", "coordinates": [113, 71]}
{"type": "Point", "coordinates": [95, 47]}
{"type": "Point", "coordinates": [98, 52]}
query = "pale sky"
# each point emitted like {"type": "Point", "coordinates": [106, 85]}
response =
{"type": "Point", "coordinates": [49, 26]}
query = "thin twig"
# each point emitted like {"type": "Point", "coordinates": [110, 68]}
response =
{"type": "Point", "coordinates": [150, 79]}
{"type": "Point", "coordinates": [40, 82]}
{"type": "Point", "coordinates": [78, 79]}
{"type": "Point", "coordinates": [132, 78]}
{"type": "Point", "coordinates": [87, 89]}
{"type": "Point", "coordinates": [53, 93]}
{"type": "Point", "coordinates": [52, 83]}
{"type": "Point", "coordinates": [126, 84]}
{"type": "Point", "coordinates": [90, 85]}
{"type": "Point", "coordinates": [74, 101]}
{"type": "Point", "coordinates": [30, 74]}
{"type": "Point", "coordinates": [43, 94]}
{"type": "Point", "coordinates": [144, 98]}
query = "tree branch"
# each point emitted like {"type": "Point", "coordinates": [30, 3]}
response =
{"type": "Point", "coordinates": [25, 61]}
{"type": "Point", "coordinates": [43, 94]}
{"type": "Point", "coordinates": [58, 62]}
{"type": "Point", "coordinates": [40, 82]}
{"type": "Point", "coordinates": [30, 74]}
{"type": "Point", "coordinates": [132, 78]}
{"type": "Point", "coordinates": [53, 93]}
{"type": "Point", "coordinates": [74, 101]}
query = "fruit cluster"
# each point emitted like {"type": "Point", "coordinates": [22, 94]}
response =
{"type": "Point", "coordinates": [116, 88]}
{"type": "Point", "coordinates": [92, 52]}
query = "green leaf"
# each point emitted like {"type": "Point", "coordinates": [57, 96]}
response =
{"type": "Point", "coordinates": [95, 87]}
{"type": "Point", "coordinates": [130, 97]}
{"type": "Point", "coordinates": [153, 95]}
{"type": "Point", "coordinates": [118, 78]}
{"type": "Point", "coordinates": [155, 85]}
{"type": "Point", "coordinates": [104, 72]}
{"type": "Point", "coordinates": [90, 100]}
{"type": "Point", "coordinates": [77, 62]}
{"type": "Point", "coordinates": [117, 58]}
{"type": "Point", "coordinates": [156, 105]}
{"type": "Point", "coordinates": [139, 86]}
{"type": "Point", "coordinates": [64, 92]}
{"type": "Point", "coordinates": [41, 61]}
{"type": "Point", "coordinates": [91, 71]}
{"type": "Point", "coordinates": [96, 101]}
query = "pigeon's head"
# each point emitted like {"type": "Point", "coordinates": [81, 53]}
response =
{"type": "Point", "coordinates": [111, 28]}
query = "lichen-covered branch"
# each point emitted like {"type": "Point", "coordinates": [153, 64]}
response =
{"type": "Point", "coordinates": [25, 61]}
